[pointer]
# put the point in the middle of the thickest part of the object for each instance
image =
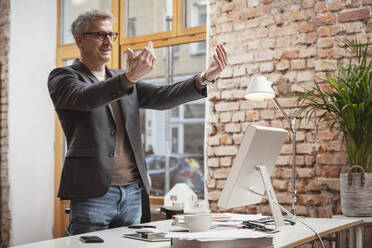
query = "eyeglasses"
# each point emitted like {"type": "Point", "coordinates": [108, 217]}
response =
{"type": "Point", "coordinates": [103, 35]}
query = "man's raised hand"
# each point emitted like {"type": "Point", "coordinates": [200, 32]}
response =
{"type": "Point", "coordinates": [140, 65]}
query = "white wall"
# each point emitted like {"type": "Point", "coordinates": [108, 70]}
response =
{"type": "Point", "coordinates": [31, 120]}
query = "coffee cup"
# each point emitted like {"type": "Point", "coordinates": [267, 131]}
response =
{"type": "Point", "coordinates": [198, 222]}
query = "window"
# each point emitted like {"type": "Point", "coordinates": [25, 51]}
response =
{"type": "Point", "coordinates": [179, 132]}
{"type": "Point", "coordinates": [70, 9]}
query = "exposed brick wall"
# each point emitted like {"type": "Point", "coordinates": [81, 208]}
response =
{"type": "Point", "coordinates": [4, 183]}
{"type": "Point", "coordinates": [292, 43]}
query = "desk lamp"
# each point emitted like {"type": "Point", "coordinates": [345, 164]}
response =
{"type": "Point", "coordinates": [259, 89]}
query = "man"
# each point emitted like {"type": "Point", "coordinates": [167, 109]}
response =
{"type": "Point", "coordinates": [104, 168]}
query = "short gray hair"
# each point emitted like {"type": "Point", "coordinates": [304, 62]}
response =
{"type": "Point", "coordinates": [82, 22]}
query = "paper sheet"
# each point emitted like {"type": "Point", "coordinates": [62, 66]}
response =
{"type": "Point", "coordinates": [221, 235]}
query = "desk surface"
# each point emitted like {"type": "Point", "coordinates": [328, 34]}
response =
{"type": "Point", "coordinates": [365, 219]}
{"type": "Point", "coordinates": [289, 236]}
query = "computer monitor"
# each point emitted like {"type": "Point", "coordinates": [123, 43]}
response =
{"type": "Point", "coordinates": [250, 174]}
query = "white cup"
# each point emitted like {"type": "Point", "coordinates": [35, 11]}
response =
{"type": "Point", "coordinates": [198, 222]}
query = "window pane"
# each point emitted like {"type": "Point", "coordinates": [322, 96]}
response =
{"type": "Point", "coordinates": [195, 13]}
{"type": "Point", "coordinates": [194, 138]}
{"type": "Point", "coordinates": [175, 140]}
{"type": "Point", "coordinates": [147, 17]}
{"type": "Point", "coordinates": [170, 131]}
{"type": "Point", "coordinates": [70, 9]}
{"type": "Point", "coordinates": [194, 111]}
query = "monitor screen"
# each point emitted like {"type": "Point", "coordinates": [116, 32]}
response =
{"type": "Point", "coordinates": [260, 146]}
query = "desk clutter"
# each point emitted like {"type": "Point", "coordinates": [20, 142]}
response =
{"type": "Point", "coordinates": [208, 230]}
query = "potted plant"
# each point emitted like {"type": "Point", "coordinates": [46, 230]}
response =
{"type": "Point", "coordinates": [346, 104]}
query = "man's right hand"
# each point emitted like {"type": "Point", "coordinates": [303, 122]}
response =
{"type": "Point", "coordinates": [140, 65]}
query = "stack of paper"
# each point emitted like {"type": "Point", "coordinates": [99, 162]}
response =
{"type": "Point", "coordinates": [220, 239]}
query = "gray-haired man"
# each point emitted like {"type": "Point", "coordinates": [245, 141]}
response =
{"type": "Point", "coordinates": [104, 168]}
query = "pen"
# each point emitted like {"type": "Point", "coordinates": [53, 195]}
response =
{"type": "Point", "coordinates": [141, 226]}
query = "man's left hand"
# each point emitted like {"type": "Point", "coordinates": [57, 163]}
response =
{"type": "Point", "coordinates": [218, 64]}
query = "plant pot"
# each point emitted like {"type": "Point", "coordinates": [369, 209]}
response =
{"type": "Point", "coordinates": [356, 193]}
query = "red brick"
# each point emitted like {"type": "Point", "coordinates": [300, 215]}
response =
{"type": "Point", "coordinates": [211, 183]}
{"type": "Point", "coordinates": [325, 65]}
{"type": "Point", "coordinates": [227, 6]}
{"type": "Point", "coordinates": [369, 27]}
{"type": "Point", "coordinates": [214, 195]}
{"type": "Point", "coordinates": [282, 65]}
{"type": "Point", "coordinates": [226, 161]}
{"type": "Point", "coordinates": [331, 159]}
{"type": "Point", "coordinates": [313, 186]}
{"type": "Point", "coordinates": [280, 19]}
{"type": "Point", "coordinates": [240, 4]}
{"type": "Point", "coordinates": [225, 150]}
{"type": "Point", "coordinates": [353, 3]}
{"type": "Point", "coordinates": [264, 55]}
{"type": "Point", "coordinates": [221, 173]}
{"type": "Point", "coordinates": [306, 27]}
{"type": "Point", "coordinates": [325, 42]}
{"type": "Point", "coordinates": [213, 162]}
{"type": "Point", "coordinates": [224, 27]}
{"type": "Point", "coordinates": [335, 5]}
{"type": "Point", "coordinates": [311, 38]}
{"type": "Point", "coordinates": [283, 31]}
{"type": "Point", "coordinates": [290, 54]}
{"type": "Point", "coordinates": [322, 53]}
{"type": "Point", "coordinates": [354, 27]}
{"type": "Point", "coordinates": [325, 19]}
{"type": "Point", "coordinates": [226, 106]}
{"type": "Point", "coordinates": [249, 13]}
{"type": "Point", "coordinates": [297, 15]}
{"type": "Point", "coordinates": [220, 184]}
{"type": "Point", "coordinates": [266, 67]}
{"type": "Point", "coordinates": [297, 64]}
{"type": "Point", "coordinates": [338, 29]}
{"type": "Point", "coordinates": [312, 200]}
{"type": "Point", "coordinates": [321, 6]}
{"type": "Point", "coordinates": [225, 140]}
{"type": "Point", "coordinates": [353, 15]}
{"type": "Point", "coordinates": [280, 185]}
{"type": "Point", "coordinates": [305, 172]}
{"type": "Point", "coordinates": [237, 139]}
{"type": "Point", "coordinates": [233, 128]}
{"type": "Point", "coordinates": [252, 116]}
{"type": "Point", "coordinates": [307, 4]}
{"type": "Point", "coordinates": [324, 31]}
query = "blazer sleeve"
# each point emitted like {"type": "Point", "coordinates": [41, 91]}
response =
{"type": "Point", "coordinates": [68, 90]}
{"type": "Point", "coordinates": [168, 96]}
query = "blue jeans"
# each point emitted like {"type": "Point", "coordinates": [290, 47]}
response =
{"type": "Point", "coordinates": [120, 206]}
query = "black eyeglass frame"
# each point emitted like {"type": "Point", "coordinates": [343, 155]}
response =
{"type": "Point", "coordinates": [103, 35]}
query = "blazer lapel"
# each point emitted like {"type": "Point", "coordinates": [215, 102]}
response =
{"type": "Point", "coordinates": [85, 72]}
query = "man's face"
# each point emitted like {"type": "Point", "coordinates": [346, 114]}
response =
{"type": "Point", "coordinates": [92, 49]}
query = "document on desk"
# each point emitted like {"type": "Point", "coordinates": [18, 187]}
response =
{"type": "Point", "coordinates": [221, 235]}
{"type": "Point", "coordinates": [243, 238]}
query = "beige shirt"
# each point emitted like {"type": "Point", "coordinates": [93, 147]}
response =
{"type": "Point", "coordinates": [125, 169]}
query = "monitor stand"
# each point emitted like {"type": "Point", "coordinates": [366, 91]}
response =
{"type": "Point", "coordinates": [274, 205]}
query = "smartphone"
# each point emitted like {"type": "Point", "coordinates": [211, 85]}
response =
{"type": "Point", "coordinates": [91, 239]}
{"type": "Point", "coordinates": [151, 237]}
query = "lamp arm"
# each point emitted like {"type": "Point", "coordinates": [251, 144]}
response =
{"type": "Point", "coordinates": [292, 125]}
{"type": "Point", "coordinates": [286, 117]}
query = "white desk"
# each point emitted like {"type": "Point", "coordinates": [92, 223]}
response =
{"type": "Point", "coordinates": [290, 236]}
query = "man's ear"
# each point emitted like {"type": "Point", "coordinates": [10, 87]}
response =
{"type": "Point", "coordinates": [78, 40]}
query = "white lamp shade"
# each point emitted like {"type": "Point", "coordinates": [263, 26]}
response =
{"type": "Point", "coordinates": [259, 89]}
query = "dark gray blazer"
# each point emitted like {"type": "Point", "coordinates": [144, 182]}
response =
{"type": "Point", "coordinates": [83, 107]}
